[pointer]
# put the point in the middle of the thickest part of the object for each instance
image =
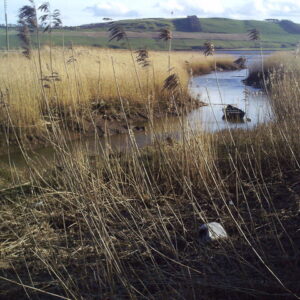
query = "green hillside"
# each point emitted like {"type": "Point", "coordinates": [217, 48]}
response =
{"type": "Point", "coordinates": [290, 27]}
{"type": "Point", "coordinates": [191, 33]}
{"type": "Point", "coordinates": [238, 26]}
{"type": "Point", "coordinates": [152, 24]}
{"type": "Point", "coordinates": [212, 25]}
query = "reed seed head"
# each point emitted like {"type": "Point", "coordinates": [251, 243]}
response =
{"type": "Point", "coordinates": [27, 14]}
{"type": "Point", "coordinates": [49, 20]}
{"type": "Point", "coordinates": [254, 34]}
{"type": "Point", "coordinates": [117, 32]}
{"type": "Point", "coordinates": [142, 57]}
{"type": "Point", "coordinates": [165, 34]}
{"type": "Point", "coordinates": [209, 49]}
{"type": "Point", "coordinates": [171, 83]}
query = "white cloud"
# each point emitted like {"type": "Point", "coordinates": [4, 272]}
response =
{"type": "Point", "coordinates": [112, 9]}
{"type": "Point", "coordinates": [187, 7]}
{"type": "Point", "coordinates": [270, 8]}
{"type": "Point", "coordinates": [170, 5]}
{"type": "Point", "coordinates": [86, 11]}
{"type": "Point", "coordinates": [211, 6]}
{"type": "Point", "coordinates": [251, 9]}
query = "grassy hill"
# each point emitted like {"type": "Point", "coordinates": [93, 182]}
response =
{"type": "Point", "coordinates": [212, 25]}
{"type": "Point", "coordinates": [275, 34]}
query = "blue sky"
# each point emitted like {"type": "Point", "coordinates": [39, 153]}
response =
{"type": "Point", "coordinates": [76, 12]}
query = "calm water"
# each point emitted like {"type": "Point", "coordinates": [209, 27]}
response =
{"type": "Point", "coordinates": [221, 89]}
{"type": "Point", "coordinates": [216, 89]}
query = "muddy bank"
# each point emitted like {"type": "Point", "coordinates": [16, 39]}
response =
{"type": "Point", "coordinates": [100, 121]}
{"type": "Point", "coordinates": [256, 79]}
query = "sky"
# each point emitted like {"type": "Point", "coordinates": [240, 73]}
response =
{"type": "Point", "coordinates": [77, 12]}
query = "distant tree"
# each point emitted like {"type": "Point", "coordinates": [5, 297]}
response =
{"type": "Point", "coordinates": [272, 20]}
{"type": "Point", "coordinates": [194, 24]}
{"type": "Point", "coordinates": [188, 24]}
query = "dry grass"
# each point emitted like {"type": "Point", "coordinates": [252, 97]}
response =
{"type": "Point", "coordinates": [84, 77]}
{"type": "Point", "coordinates": [125, 226]}
{"type": "Point", "coordinates": [276, 65]}
{"type": "Point", "coordinates": [208, 64]}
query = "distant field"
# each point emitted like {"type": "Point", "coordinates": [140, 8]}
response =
{"type": "Point", "coordinates": [155, 35]}
{"type": "Point", "coordinates": [225, 33]}
{"type": "Point", "coordinates": [92, 39]}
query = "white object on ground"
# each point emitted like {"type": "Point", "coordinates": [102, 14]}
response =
{"type": "Point", "coordinates": [38, 204]}
{"type": "Point", "coordinates": [212, 231]}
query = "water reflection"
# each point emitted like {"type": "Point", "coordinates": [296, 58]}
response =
{"type": "Point", "coordinates": [221, 89]}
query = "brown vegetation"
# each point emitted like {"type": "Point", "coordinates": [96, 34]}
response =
{"type": "Point", "coordinates": [125, 225]}
{"type": "Point", "coordinates": [82, 86]}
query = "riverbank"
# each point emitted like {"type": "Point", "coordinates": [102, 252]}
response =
{"type": "Point", "coordinates": [86, 91]}
{"type": "Point", "coordinates": [276, 68]}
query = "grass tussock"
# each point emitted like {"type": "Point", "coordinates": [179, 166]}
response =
{"type": "Point", "coordinates": [274, 68]}
{"type": "Point", "coordinates": [210, 63]}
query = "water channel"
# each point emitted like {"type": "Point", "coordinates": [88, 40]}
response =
{"type": "Point", "coordinates": [216, 89]}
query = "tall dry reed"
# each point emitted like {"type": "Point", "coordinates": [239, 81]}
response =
{"type": "Point", "coordinates": [125, 225]}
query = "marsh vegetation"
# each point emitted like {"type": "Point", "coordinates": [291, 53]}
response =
{"type": "Point", "coordinates": [83, 84]}
{"type": "Point", "coordinates": [125, 225]}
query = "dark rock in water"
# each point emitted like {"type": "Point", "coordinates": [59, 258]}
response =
{"type": "Point", "coordinates": [232, 113]}
{"type": "Point", "coordinates": [241, 62]}
{"type": "Point", "coordinates": [134, 128]}
{"type": "Point", "coordinates": [139, 128]}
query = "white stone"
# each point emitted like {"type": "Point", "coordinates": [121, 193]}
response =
{"type": "Point", "coordinates": [212, 231]}
{"type": "Point", "coordinates": [38, 204]}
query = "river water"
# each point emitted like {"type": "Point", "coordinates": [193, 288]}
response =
{"type": "Point", "coordinates": [216, 89]}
